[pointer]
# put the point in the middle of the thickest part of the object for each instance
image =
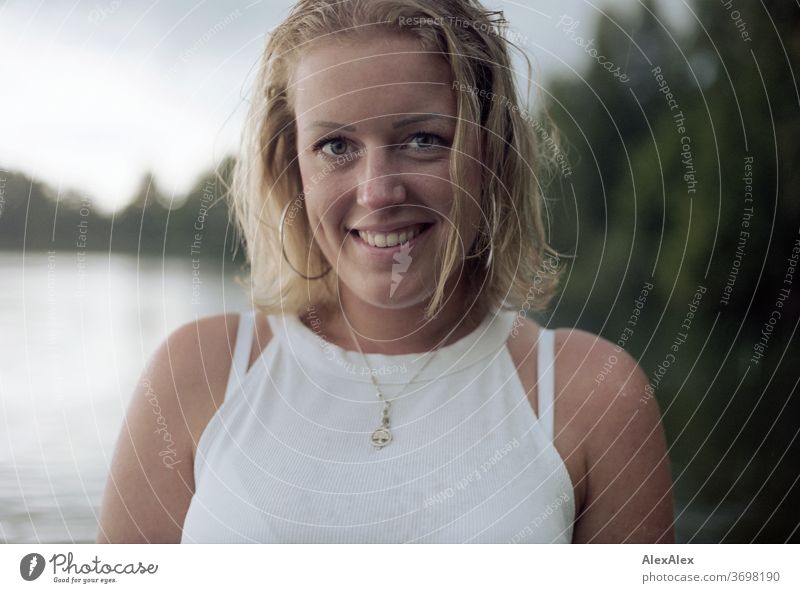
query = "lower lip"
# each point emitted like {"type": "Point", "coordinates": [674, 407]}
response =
{"type": "Point", "coordinates": [388, 252]}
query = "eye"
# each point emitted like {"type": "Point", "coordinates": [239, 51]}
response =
{"type": "Point", "coordinates": [427, 141]}
{"type": "Point", "coordinates": [334, 147]}
{"type": "Point", "coordinates": [336, 144]}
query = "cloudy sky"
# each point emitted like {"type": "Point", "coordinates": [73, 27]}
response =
{"type": "Point", "coordinates": [92, 94]}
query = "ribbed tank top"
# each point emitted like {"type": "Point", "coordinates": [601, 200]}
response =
{"type": "Point", "coordinates": [287, 457]}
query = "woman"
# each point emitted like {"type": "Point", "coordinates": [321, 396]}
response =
{"type": "Point", "coordinates": [388, 386]}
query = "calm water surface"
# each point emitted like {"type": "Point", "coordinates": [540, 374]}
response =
{"type": "Point", "coordinates": [74, 337]}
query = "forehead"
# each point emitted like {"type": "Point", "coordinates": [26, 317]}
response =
{"type": "Point", "coordinates": [362, 77]}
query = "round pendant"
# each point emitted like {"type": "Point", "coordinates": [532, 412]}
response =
{"type": "Point", "coordinates": [381, 437]}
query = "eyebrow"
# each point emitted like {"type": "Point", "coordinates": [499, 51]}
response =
{"type": "Point", "coordinates": [407, 121]}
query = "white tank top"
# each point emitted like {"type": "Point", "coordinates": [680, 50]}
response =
{"type": "Point", "coordinates": [287, 457]}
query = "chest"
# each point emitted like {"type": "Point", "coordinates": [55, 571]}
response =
{"type": "Point", "coordinates": [286, 460]}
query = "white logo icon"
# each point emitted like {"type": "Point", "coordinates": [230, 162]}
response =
{"type": "Point", "coordinates": [402, 261]}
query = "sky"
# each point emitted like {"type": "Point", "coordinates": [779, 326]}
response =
{"type": "Point", "coordinates": [94, 94]}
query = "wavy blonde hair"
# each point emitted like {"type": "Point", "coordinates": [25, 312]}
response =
{"type": "Point", "coordinates": [520, 273]}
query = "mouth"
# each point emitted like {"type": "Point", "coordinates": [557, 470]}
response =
{"type": "Point", "coordinates": [390, 241]}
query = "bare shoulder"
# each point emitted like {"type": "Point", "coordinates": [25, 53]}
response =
{"type": "Point", "coordinates": [151, 481]}
{"type": "Point", "coordinates": [608, 432]}
{"type": "Point", "coordinates": [197, 354]}
{"type": "Point", "coordinates": [192, 366]}
{"type": "Point", "coordinates": [592, 374]}
{"type": "Point", "coordinates": [605, 385]}
{"type": "Point", "coordinates": [601, 369]}
{"type": "Point", "coordinates": [628, 494]}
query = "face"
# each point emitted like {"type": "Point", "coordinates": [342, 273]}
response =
{"type": "Point", "coordinates": [374, 145]}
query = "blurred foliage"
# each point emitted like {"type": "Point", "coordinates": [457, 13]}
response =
{"type": "Point", "coordinates": [36, 218]}
{"type": "Point", "coordinates": [627, 215]}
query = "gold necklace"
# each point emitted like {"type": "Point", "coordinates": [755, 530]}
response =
{"type": "Point", "coordinates": [382, 435]}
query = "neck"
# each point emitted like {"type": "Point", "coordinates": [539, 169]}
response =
{"type": "Point", "coordinates": [400, 331]}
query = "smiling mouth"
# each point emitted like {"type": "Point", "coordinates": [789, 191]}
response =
{"type": "Point", "coordinates": [392, 238]}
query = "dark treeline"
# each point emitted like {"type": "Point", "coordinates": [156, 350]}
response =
{"type": "Point", "coordinates": [685, 178]}
{"type": "Point", "coordinates": [680, 208]}
{"type": "Point", "coordinates": [34, 217]}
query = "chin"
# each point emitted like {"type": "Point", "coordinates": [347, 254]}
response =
{"type": "Point", "coordinates": [405, 293]}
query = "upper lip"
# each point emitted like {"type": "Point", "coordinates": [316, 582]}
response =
{"type": "Point", "coordinates": [388, 228]}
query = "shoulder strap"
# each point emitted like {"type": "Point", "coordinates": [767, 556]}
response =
{"type": "Point", "coordinates": [241, 351]}
{"type": "Point", "coordinates": [546, 381]}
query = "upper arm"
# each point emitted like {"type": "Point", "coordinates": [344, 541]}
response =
{"type": "Point", "coordinates": [628, 495]}
{"type": "Point", "coordinates": [151, 481]}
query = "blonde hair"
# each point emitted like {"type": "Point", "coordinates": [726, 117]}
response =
{"type": "Point", "coordinates": [521, 273]}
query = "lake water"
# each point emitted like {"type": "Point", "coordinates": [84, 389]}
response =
{"type": "Point", "coordinates": [74, 337]}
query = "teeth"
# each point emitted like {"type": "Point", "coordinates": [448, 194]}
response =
{"type": "Point", "coordinates": [390, 239]}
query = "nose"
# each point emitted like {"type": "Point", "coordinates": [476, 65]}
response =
{"type": "Point", "coordinates": [380, 185]}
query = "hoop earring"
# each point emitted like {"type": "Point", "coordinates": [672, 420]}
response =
{"type": "Point", "coordinates": [281, 227]}
{"type": "Point", "coordinates": [488, 263]}
{"type": "Point", "coordinates": [490, 232]}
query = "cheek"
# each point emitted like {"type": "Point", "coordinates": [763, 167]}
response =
{"type": "Point", "coordinates": [434, 192]}
{"type": "Point", "coordinates": [322, 215]}
{"type": "Point", "coordinates": [320, 194]}
{"type": "Point", "coordinates": [326, 216]}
